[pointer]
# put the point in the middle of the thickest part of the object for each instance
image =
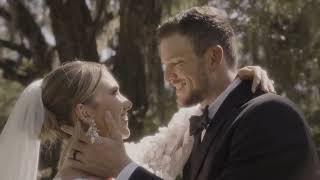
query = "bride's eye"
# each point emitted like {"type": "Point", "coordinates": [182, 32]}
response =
{"type": "Point", "coordinates": [115, 91]}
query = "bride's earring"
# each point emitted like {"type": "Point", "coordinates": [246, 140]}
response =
{"type": "Point", "coordinates": [93, 133]}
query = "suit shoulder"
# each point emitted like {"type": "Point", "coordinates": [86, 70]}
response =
{"type": "Point", "coordinates": [270, 109]}
{"type": "Point", "coordinates": [271, 101]}
{"type": "Point", "coordinates": [269, 115]}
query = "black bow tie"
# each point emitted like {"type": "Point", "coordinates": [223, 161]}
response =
{"type": "Point", "coordinates": [199, 123]}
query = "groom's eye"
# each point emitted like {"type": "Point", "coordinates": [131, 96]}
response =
{"type": "Point", "coordinates": [179, 63]}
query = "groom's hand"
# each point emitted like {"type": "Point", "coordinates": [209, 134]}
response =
{"type": "Point", "coordinates": [104, 159]}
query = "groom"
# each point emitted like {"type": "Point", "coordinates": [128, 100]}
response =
{"type": "Point", "coordinates": [241, 135]}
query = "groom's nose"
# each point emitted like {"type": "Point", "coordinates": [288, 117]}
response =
{"type": "Point", "coordinates": [169, 74]}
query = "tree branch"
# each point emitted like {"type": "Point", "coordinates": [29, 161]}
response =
{"type": "Point", "coordinates": [25, 23]}
{"type": "Point", "coordinates": [73, 30]}
{"type": "Point", "coordinates": [101, 5]}
{"type": "Point", "coordinates": [5, 14]}
{"type": "Point", "coordinates": [10, 71]}
{"type": "Point", "coordinates": [19, 48]}
{"type": "Point", "coordinates": [102, 17]}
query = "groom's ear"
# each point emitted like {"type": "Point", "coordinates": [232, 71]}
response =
{"type": "Point", "coordinates": [214, 57]}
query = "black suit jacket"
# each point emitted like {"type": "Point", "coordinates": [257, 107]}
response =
{"type": "Point", "coordinates": [252, 137]}
{"type": "Point", "coordinates": [142, 174]}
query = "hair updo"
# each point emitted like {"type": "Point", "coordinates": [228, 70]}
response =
{"type": "Point", "coordinates": [70, 84]}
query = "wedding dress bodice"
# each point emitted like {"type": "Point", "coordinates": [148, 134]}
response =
{"type": "Point", "coordinates": [166, 152]}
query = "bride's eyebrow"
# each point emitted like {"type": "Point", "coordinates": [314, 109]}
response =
{"type": "Point", "coordinates": [114, 88]}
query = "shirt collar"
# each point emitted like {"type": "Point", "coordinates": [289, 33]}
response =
{"type": "Point", "coordinates": [214, 106]}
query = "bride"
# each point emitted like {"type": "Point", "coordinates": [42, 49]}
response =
{"type": "Point", "coordinates": [85, 95]}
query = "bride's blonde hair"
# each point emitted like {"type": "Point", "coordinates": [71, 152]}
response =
{"type": "Point", "coordinates": [62, 89]}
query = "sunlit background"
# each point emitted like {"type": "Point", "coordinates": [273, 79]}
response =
{"type": "Point", "coordinates": [37, 35]}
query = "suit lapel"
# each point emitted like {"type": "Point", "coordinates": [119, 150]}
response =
{"type": "Point", "coordinates": [208, 139]}
{"type": "Point", "coordinates": [227, 112]}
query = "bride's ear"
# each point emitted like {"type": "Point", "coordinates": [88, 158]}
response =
{"type": "Point", "coordinates": [83, 113]}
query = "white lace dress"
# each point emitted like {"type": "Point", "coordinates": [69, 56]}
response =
{"type": "Point", "coordinates": [166, 152]}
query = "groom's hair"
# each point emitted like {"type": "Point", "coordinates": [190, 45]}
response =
{"type": "Point", "coordinates": [205, 27]}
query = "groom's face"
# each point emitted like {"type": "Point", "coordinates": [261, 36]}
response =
{"type": "Point", "coordinates": [183, 69]}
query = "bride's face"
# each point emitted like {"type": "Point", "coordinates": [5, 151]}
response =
{"type": "Point", "coordinates": [109, 98]}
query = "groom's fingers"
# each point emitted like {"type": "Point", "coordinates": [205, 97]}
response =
{"type": "Point", "coordinates": [79, 157]}
{"type": "Point", "coordinates": [111, 123]}
{"type": "Point", "coordinates": [79, 146]}
{"type": "Point", "coordinates": [69, 130]}
{"type": "Point", "coordinates": [76, 164]}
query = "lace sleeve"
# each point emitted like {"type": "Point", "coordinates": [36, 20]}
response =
{"type": "Point", "coordinates": [166, 152]}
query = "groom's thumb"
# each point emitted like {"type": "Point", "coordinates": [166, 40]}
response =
{"type": "Point", "coordinates": [114, 129]}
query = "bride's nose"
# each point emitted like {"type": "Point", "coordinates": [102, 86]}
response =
{"type": "Point", "coordinates": [127, 104]}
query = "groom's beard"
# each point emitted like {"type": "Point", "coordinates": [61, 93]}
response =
{"type": "Point", "coordinates": [199, 94]}
{"type": "Point", "coordinates": [193, 99]}
{"type": "Point", "coordinates": [196, 96]}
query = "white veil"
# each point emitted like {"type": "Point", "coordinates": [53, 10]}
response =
{"type": "Point", "coordinates": [19, 142]}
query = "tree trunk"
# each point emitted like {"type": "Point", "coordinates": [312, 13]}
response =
{"type": "Point", "coordinates": [137, 65]}
{"type": "Point", "coordinates": [73, 30]}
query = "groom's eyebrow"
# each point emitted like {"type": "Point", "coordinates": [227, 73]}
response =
{"type": "Point", "coordinates": [175, 59]}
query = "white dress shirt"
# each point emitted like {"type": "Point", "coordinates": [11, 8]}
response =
{"type": "Point", "coordinates": [215, 105]}
{"type": "Point", "coordinates": [127, 171]}
{"type": "Point", "coordinates": [213, 108]}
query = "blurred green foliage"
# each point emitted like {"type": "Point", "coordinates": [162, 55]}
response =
{"type": "Point", "coordinates": [9, 91]}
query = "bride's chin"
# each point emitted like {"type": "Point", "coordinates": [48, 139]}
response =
{"type": "Point", "coordinates": [126, 135]}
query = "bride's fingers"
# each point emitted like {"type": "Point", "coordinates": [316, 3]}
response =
{"type": "Point", "coordinates": [245, 73]}
{"type": "Point", "coordinates": [111, 123]}
{"type": "Point", "coordinates": [271, 86]}
{"type": "Point", "coordinates": [257, 76]}
{"type": "Point", "coordinates": [264, 81]}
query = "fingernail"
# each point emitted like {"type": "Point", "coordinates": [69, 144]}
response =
{"type": "Point", "coordinates": [265, 89]}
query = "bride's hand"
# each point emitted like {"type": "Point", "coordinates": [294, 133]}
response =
{"type": "Point", "coordinates": [258, 76]}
